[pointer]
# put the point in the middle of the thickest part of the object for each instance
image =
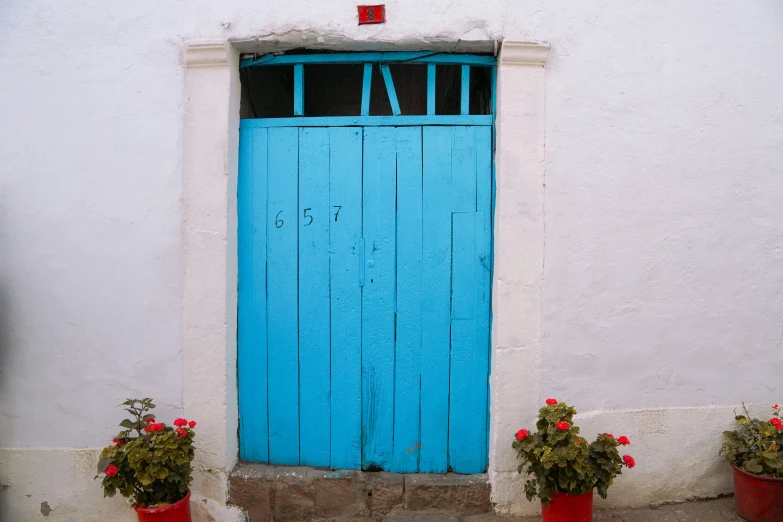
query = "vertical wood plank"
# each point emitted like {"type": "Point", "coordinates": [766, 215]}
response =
{"type": "Point", "coordinates": [465, 91]}
{"type": "Point", "coordinates": [431, 71]}
{"type": "Point", "coordinates": [378, 319]}
{"type": "Point", "coordinates": [407, 387]}
{"type": "Point", "coordinates": [468, 452]}
{"type": "Point", "coordinates": [463, 161]}
{"type": "Point", "coordinates": [251, 320]}
{"type": "Point", "coordinates": [387, 79]}
{"type": "Point", "coordinates": [484, 188]}
{"type": "Point", "coordinates": [298, 90]}
{"type": "Point", "coordinates": [282, 296]}
{"type": "Point", "coordinates": [314, 322]}
{"type": "Point", "coordinates": [436, 313]}
{"type": "Point", "coordinates": [463, 416]}
{"type": "Point", "coordinates": [345, 231]}
{"type": "Point", "coordinates": [366, 89]}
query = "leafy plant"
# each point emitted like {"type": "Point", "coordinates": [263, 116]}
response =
{"type": "Point", "coordinates": [755, 445]}
{"type": "Point", "coordinates": [557, 459]}
{"type": "Point", "coordinates": [149, 463]}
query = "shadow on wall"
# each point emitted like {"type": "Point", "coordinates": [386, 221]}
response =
{"type": "Point", "coordinates": [5, 335]}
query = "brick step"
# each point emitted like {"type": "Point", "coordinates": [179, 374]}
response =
{"type": "Point", "coordinates": [297, 494]}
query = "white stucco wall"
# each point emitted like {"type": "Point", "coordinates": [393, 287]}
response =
{"type": "Point", "coordinates": [663, 242]}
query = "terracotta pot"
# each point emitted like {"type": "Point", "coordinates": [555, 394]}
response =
{"type": "Point", "coordinates": [176, 512]}
{"type": "Point", "coordinates": [565, 507]}
{"type": "Point", "coordinates": [758, 499]}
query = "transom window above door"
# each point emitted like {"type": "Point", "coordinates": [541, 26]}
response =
{"type": "Point", "coordinates": [368, 84]}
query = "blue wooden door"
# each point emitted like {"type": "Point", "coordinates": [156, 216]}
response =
{"type": "Point", "coordinates": [364, 296]}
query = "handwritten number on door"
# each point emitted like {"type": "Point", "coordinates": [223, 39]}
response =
{"type": "Point", "coordinates": [311, 217]}
{"type": "Point", "coordinates": [279, 222]}
{"type": "Point", "coordinates": [338, 207]}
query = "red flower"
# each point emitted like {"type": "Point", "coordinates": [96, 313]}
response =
{"type": "Point", "coordinates": [776, 422]}
{"type": "Point", "coordinates": [150, 421]}
{"type": "Point", "coordinates": [192, 424]}
{"type": "Point", "coordinates": [147, 429]}
{"type": "Point", "coordinates": [180, 422]}
{"type": "Point", "coordinates": [562, 425]}
{"type": "Point", "coordinates": [111, 470]}
{"type": "Point", "coordinates": [181, 432]}
{"type": "Point", "coordinates": [775, 407]}
{"type": "Point", "coordinates": [628, 460]}
{"type": "Point", "coordinates": [623, 441]}
{"type": "Point", "coordinates": [578, 442]}
{"type": "Point", "coordinates": [551, 401]}
{"type": "Point", "coordinates": [522, 434]}
{"type": "Point", "coordinates": [609, 435]}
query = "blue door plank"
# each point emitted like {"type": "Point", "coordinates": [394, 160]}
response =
{"type": "Point", "coordinates": [463, 168]}
{"type": "Point", "coordinates": [378, 297]}
{"type": "Point", "coordinates": [407, 386]}
{"type": "Point", "coordinates": [483, 295]}
{"type": "Point", "coordinates": [345, 231]}
{"type": "Point", "coordinates": [314, 323]}
{"type": "Point", "coordinates": [464, 450]}
{"type": "Point", "coordinates": [436, 310]}
{"type": "Point", "coordinates": [251, 320]}
{"type": "Point", "coordinates": [282, 296]}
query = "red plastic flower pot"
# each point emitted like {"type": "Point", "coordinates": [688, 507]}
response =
{"type": "Point", "coordinates": [758, 499]}
{"type": "Point", "coordinates": [176, 512]}
{"type": "Point", "coordinates": [565, 507]}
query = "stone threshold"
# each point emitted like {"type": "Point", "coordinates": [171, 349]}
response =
{"type": "Point", "coordinates": [297, 494]}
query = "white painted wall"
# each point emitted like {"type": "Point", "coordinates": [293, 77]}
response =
{"type": "Point", "coordinates": [663, 270]}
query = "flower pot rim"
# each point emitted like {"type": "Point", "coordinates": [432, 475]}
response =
{"type": "Point", "coordinates": [757, 477]}
{"type": "Point", "coordinates": [575, 494]}
{"type": "Point", "coordinates": [163, 509]}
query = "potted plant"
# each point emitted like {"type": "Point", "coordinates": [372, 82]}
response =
{"type": "Point", "coordinates": [149, 463]}
{"type": "Point", "coordinates": [563, 467]}
{"type": "Point", "coordinates": [754, 449]}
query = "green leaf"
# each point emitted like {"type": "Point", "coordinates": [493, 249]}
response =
{"type": "Point", "coordinates": [129, 424]}
{"type": "Point", "coordinates": [753, 466]}
{"type": "Point", "coordinates": [161, 473]}
{"type": "Point", "coordinates": [103, 463]}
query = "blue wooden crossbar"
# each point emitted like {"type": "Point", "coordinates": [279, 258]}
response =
{"type": "Point", "coordinates": [366, 86]}
{"type": "Point", "coordinates": [465, 99]}
{"type": "Point", "coordinates": [366, 121]}
{"type": "Point", "coordinates": [431, 71]}
{"type": "Point", "coordinates": [298, 90]}
{"type": "Point", "coordinates": [390, 90]}
{"type": "Point", "coordinates": [390, 57]}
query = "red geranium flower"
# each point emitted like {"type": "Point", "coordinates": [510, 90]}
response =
{"type": "Point", "coordinates": [150, 421]}
{"type": "Point", "coordinates": [180, 422]}
{"type": "Point", "coordinates": [522, 434]}
{"type": "Point", "coordinates": [562, 425]}
{"type": "Point", "coordinates": [111, 470]}
{"type": "Point", "coordinates": [181, 432]}
{"type": "Point", "coordinates": [551, 401]}
{"type": "Point", "coordinates": [628, 460]}
{"type": "Point", "coordinates": [776, 422]}
{"type": "Point", "coordinates": [775, 406]}
{"type": "Point", "coordinates": [192, 424]}
{"type": "Point", "coordinates": [623, 441]}
{"type": "Point", "coordinates": [609, 435]}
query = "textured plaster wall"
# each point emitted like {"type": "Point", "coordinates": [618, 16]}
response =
{"type": "Point", "coordinates": [663, 256]}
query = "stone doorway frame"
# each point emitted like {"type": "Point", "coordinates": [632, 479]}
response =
{"type": "Point", "coordinates": [209, 259]}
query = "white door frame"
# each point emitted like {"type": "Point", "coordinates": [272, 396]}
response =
{"type": "Point", "coordinates": [209, 260]}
